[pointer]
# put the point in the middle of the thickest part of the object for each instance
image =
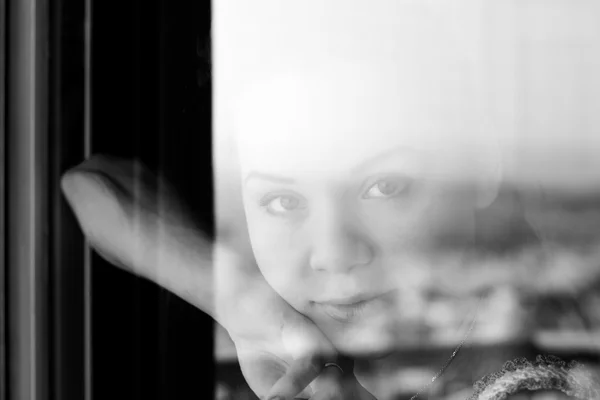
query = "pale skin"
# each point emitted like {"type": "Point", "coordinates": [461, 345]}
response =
{"type": "Point", "coordinates": [346, 208]}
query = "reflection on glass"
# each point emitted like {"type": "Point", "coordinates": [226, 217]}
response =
{"type": "Point", "coordinates": [400, 170]}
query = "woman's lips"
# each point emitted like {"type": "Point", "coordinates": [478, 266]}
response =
{"type": "Point", "coordinates": [353, 308]}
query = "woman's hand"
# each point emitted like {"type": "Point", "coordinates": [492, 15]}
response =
{"type": "Point", "coordinates": [280, 351]}
{"type": "Point", "coordinates": [136, 222]}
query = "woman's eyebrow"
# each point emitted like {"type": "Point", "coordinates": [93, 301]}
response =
{"type": "Point", "coordinates": [269, 177]}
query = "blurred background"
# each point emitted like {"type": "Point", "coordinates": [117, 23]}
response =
{"type": "Point", "coordinates": [540, 272]}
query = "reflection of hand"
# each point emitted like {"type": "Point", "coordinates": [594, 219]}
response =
{"type": "Point", "coordinates": [144, 229]}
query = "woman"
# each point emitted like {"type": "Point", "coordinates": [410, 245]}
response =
{"type": "Point", "coordinates": [352, 195]}
{"type": "Point", "coordinates": [359, 200]}
{"type": "Point", "coordinates": [360, 192]}
{"type": "Point", "coordinates": [360, 184]}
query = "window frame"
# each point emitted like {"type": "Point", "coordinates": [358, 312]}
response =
{"type": "Point", "coordinates": [26, 186]}
{"type": "Point", "coordinates": [43, 328]}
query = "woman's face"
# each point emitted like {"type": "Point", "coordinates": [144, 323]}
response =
{"type": "Point", "coordinates": [355, 195]}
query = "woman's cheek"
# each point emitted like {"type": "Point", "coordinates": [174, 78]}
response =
{"type": "Point", "coordinates": [423, 228]}
{"type": "Point", "coordinates": [398, 225]}
{"type": "Point", "coordinates": [452, 225]}
{"type": "Point", "coordinates": [278, 255]}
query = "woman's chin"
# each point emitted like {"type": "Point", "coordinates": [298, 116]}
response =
{"type": "Point", "coordinates": [361, 342]}
{"type": "Point", "coordinates": [361, 349]}
{"type": "Point", "coordinates": [368, 336]}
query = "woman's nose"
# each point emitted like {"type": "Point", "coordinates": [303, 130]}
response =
{"type": "Point", "coordinates": [338, 247]}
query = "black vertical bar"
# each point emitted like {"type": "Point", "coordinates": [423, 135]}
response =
{"type": "Point", "coordinates": [66, 145]}
{"type": "Point", "coordinates": [3, 284]}
{"type": "Point", "coordinates": [110, 118]}
{"type": "Point", "coordinates": [87, 251]}
{"type": "Point", "coordinates": [163, 308]}
{"type": "Point", "coordinates": [146, 342]}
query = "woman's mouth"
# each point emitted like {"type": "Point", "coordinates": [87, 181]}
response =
{"type": "Point", "coordinates": [353, 308]}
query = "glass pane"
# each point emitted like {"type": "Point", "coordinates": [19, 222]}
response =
{"type": "Point", "coordinates": [396, 170]}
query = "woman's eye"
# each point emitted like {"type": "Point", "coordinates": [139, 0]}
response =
{"type": "Point", "coordinates": [282, 204]}
{"type": "Point", "coordinates": [386, 188]}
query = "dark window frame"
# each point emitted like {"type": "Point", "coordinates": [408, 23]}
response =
{"type": "Point", "coordinates": [51, 82]}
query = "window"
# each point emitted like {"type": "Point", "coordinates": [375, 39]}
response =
{"type": "Point", "coordinates": [125, 79]}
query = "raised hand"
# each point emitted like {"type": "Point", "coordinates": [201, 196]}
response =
{"type": "Point", "coordinates": [136, 222]}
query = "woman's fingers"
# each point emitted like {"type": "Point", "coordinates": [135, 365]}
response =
{"type": "Point", "coordinates": [261, 370]}
{"type": "Point", "coordinates": [329, 385]}
{"type": "Point", "coordinates": [312, 377]}
{"type": "Point", "coordinates": [299, 375]}
{"type": "Point", "coordinates": [333, 385]}
{"type": "Point", "coordinates": [309, 349]}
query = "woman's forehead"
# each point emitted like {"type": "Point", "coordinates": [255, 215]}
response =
{"type": "Point", "coordinates": [339, 114]}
